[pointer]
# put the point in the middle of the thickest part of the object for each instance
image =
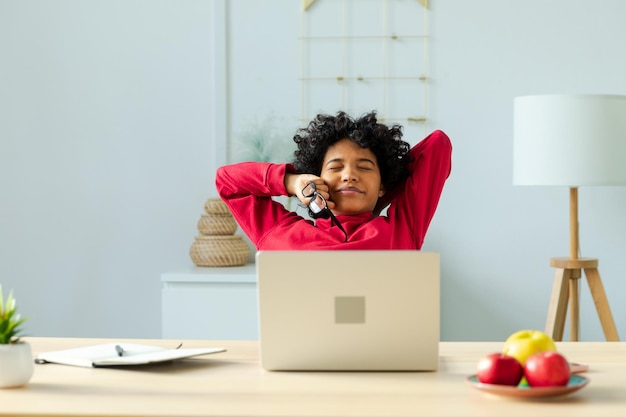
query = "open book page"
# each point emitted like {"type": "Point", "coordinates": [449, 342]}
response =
{"type": "Point", "coordinates": [131, 354]}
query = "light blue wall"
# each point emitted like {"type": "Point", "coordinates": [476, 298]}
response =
{"type": "Point", "coordinates": [106, 112]}
{"type": "Point", "coordinates": [496, 239]}
{"type": "Point", "coordinates": [108, 140]}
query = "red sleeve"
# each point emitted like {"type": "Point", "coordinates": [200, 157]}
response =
{"type": "Point", "coordinates": [416, 202]}
{"type": "Point", "coordinates": [247, 189]}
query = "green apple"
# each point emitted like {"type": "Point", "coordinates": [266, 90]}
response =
{"type": "Point", "coordinates": [525, 343]}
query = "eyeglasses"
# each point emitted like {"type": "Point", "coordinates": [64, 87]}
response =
{"type": "Point", "coordinates": [317, 204]}
{"type": "Point", "coordinates": [318, 207]}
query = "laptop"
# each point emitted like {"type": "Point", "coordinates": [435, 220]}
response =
{"type": "Point", "coordinates": [348, 310]}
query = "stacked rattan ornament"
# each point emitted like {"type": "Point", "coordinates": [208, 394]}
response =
{"type": "Point", "coordinates": [217, 244]}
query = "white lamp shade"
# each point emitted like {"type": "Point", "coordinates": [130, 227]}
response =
{"type": "Point", "coordinates": [569, 140]}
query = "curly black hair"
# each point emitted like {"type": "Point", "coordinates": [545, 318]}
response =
{"type": "Point", "coordinates": [384, 141]}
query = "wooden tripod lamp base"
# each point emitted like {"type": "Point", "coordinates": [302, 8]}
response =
{"type": "Point", "coordinates": [565, 290]}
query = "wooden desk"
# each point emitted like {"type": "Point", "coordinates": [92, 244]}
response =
{"type": "Point", "coordinates": [234, 384]}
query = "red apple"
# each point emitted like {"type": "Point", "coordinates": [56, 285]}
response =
{"type": "Point", "coordinates": [547, 369]}
{"type": "Point", "coordinates": [500, 369]}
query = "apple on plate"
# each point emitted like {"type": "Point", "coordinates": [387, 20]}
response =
{"type": "Point", "coordinates": [547, 369]}
{"type": "Point", "coordinates": [523, 344]}
{"type": "Point", "coordinates": [500, 369]}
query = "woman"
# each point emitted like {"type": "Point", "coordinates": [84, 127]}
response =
{"type": "Point", "coordinates": [346, 171]}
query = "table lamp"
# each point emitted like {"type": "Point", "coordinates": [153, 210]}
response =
{"type": "Point", "coordinates": [571, 141]}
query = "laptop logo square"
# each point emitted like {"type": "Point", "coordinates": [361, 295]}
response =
{"type": "Point", "coordinates": [350, 310]}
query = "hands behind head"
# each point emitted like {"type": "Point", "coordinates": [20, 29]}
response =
{"type": "Point", "coordinates": [295, 183]}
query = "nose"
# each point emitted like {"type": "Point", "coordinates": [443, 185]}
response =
{"type": "Point", "coordinates": [349, 174]}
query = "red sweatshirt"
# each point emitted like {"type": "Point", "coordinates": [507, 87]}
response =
{"type": "Point", "coordinates": [247, 188]}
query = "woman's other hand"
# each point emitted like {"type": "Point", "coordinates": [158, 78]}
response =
{"type": "Point", "coordinates": [295, 183]}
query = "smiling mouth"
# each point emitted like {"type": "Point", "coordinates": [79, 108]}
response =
{"type": "Point", "coordinates": [349, 190]}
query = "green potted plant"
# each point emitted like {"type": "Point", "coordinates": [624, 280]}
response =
{"type": "Point", "coordinates": [16, 360]}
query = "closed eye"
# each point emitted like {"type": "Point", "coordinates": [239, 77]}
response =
{"type": "Point", "coordinates": [366, 162]}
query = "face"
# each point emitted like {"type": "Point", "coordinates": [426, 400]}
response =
{"type": "Point", "coordinates": [353, 176]}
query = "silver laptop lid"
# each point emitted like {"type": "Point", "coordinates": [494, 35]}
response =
{"type": "Point", "coordinates": [348, 310]}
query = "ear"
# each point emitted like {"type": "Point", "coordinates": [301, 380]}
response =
{"type": "Point", "coordinates": [381, 192]}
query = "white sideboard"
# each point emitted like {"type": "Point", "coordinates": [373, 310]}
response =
{"type": "Point", "coordinates": [210, 303]}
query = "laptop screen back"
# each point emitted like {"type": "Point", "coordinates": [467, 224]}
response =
{"type": "Point", "coordinates": [349, 310]}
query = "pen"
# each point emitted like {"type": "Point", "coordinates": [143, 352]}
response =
{"type": "Point", "coordinates": [119, 350]}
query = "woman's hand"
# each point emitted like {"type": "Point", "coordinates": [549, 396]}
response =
{"type": "Point", "coordinates": [295, 183]}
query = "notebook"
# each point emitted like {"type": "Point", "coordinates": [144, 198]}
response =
{"type": "Point", "coordinates": [348, 310]}
{"type": "Point", "coordinates": [120, 354]}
